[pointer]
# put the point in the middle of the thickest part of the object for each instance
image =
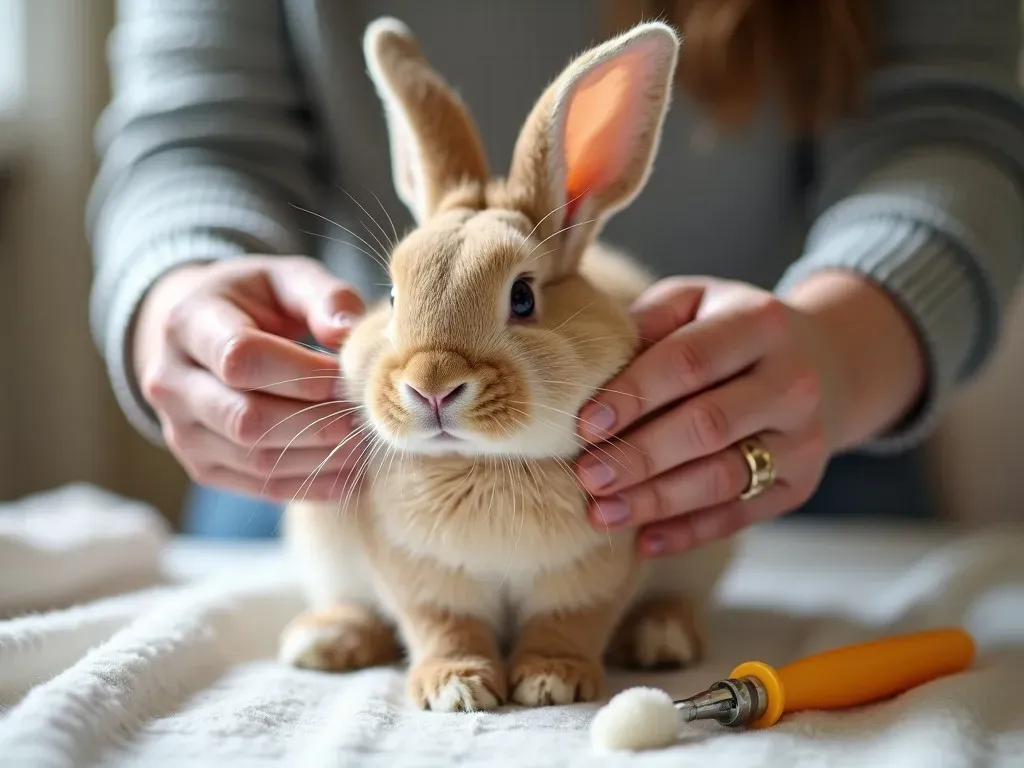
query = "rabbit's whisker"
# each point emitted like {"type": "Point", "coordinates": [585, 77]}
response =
{"type": "Point", "coordinates": [574, 315]}
{"type": "Point", "coordinates": [351, 473]}
{"type": "Point", "coordinates": [578, 341]}
{"type": "Point", "coordinates": [392, 223]}
{"type": "Point", "coordinates": [552, 213]}
{"type": "Point", "coordinates": [603, 451]}
{"type": "Point", "coordinates": [377, 223]}
{"type": "Point", "coordinates": [377, 445]}
{"type": "Point", "coordinates": [391, 461]}
{"type": "Point", "coordinates": [591, 499]}
{"type": "Point", "coordinates": [377, 259]}
{"type": "Point", "coordinates": [553, 427]}
{"type": "Point", "coordinates": [554, 234]}
{"type": "Point", "coordinates": [344, 229]}
{"type": "Point", "coordinates": [596, 389]}
{"type": "Point", "coordinates": [567, 469]}
{"type": "Point", "coordinates": [289, 445]}
{"type": "Point", "coordinates": [522, 525]}
{"type": "Point", "coordinates": [340, 416]}
{"type": "Point", "coordinates": [289, 381]}
{"type": "Point", "coordinates": [292, 416]}
{"type": "Point", "coordinates": [367, 445]}
{"type": "Point", "coordinates": [311, 478]}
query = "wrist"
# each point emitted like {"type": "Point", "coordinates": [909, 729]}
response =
{"type": "Point", "coordinates": [872, 364]}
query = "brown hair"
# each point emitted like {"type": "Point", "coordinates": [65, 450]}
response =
{"type": "Point", "coordinates": [815, 53]}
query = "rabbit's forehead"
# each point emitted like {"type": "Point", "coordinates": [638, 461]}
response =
{"type": "Point", "coordinates": [476, 249]}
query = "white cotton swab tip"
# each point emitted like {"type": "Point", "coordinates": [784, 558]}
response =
{"type": "Point", "coordinates": [637, 718]}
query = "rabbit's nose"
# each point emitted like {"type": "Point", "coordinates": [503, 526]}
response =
{"type": "Point", "coordinates": [436, 399]}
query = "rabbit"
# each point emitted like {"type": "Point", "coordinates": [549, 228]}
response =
{"type": "Point", "coordinates": [466, 546]}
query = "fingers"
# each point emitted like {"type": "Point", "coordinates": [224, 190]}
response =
{"type": "Point", "coordinates": [272, 473]}
{"type": "Point", "coordinates": [251, 419]}
{"type": "Point", "coordinates": [205, 450]}
{"type": "Point", "coordinates": [706, 482]}
{"type": "Point", "coordinates": [777, 398]}
{"type": "Point", "coordinates": [688, 360]}
{"type": "Point", "coordinates": [700, 502]}
{"type": "Point", "coordinates": [306, 290]}
{"type": "Point", "coordinates": [678, 503]}
{"type": "Point", "coordinates": [218, 366]}
{"type": "Point", "coordinates": [686, 532]}
{"type": "Point", "coordinates": [326, 486]}
{"type": "Point", "coordinates": [221, 338]}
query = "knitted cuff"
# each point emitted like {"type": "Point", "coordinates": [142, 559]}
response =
{"type": "Point", "coordinates": [924, 275]}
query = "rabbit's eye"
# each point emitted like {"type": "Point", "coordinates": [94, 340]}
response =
{"type": "Point", "coordinates": [392, 295]}
{"type": "Point", "coordinates": [522, 301]}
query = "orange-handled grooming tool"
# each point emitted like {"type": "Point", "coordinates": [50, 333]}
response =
{"type": "Point", "coordinates": [756, 695]}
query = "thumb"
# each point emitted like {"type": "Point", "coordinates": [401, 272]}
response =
{"type": "Point", "coordinates": [307, 291]}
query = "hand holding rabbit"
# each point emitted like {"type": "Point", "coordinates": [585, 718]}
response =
{"type": "Point", "coordinates": [725, 362]}
{"type": "Point", "coordinates": [214, 358]}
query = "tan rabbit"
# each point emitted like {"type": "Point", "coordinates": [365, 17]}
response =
{"type": "Point", "coordinates": [468, 540]}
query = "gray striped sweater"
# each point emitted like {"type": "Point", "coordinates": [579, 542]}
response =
{"type": "Point", "coordinates": [229, 116]}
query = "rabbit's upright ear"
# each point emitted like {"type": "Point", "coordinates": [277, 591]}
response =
{"type": "Point", "coordinates": [587, 147]}
{"type": "Point", "coordinates": [435, 145]}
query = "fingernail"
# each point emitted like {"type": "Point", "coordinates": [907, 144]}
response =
{"type": "Point", "coordinates": [598, 418]}
{"type": "Point", "coordinates": [611, 511]}
{"type": "Point", "coordinates": [596, 475]}
{"type": "Point", "coordinates": [343, 320]}
{"type": "Point", "coordinates": [656, 544]}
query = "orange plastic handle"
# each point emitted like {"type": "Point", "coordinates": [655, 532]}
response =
{"type": "Point", "coordinates": [859, 674]}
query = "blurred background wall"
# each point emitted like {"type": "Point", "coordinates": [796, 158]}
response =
{"type": "Point", "coordinates": [58, 421]}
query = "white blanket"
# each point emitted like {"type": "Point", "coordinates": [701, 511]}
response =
{"type": "Point", "coordinates": [183, 673]}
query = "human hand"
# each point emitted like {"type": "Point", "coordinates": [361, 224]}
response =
{"type": "Point", "coordinates": [213, 356]}
{"type": "Point", "coordinates": [720, 362]}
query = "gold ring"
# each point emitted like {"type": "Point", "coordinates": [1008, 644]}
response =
{"type": "Point", "coordinates": [762, 468]}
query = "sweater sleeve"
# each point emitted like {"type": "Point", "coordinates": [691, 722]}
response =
{"type": "Point", "coordinates": [205, 151]}
{"type": "Point", "coordinates": [921, 193]}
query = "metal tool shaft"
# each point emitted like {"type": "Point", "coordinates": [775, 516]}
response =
{"type": "Point", "coordinates": [731, 702]}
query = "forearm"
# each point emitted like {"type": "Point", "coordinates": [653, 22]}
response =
{"type": "Point", "coordinates": [204, 157]}
{"type": "Point", "coordinates": [875, 364]}
{"type": "Point", "coordinates": [933, 239]}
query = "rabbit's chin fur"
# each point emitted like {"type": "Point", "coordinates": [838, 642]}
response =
{"type": "Point", "coordinates": [473, 554]}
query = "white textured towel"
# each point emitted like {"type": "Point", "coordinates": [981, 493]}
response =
{"type": "Point", "coordinates": [72, 542]}
{"type": "Point", "coordinates": [183, 674]}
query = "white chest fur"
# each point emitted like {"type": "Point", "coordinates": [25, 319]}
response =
{"type": "Point", "coordinates": [489, 517]}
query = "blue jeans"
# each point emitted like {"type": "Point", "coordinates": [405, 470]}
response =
{"type": "Point", "coordinates": [887, 488]}
{"type": "Point", "coordinates": [216, 514]}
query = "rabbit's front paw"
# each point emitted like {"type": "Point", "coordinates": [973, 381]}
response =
{"type": "Point", "coordinates": [338, 639]}
{"type": "Point", "coordinates": [538, 681]}
{"type": "Point", "coordinates": [457, 685]}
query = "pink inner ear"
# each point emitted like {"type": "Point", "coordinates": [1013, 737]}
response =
{"type": "Point", "coordinates": [603, 117]}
